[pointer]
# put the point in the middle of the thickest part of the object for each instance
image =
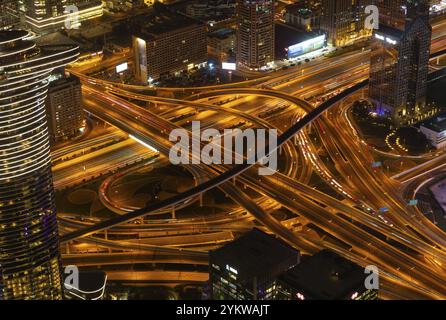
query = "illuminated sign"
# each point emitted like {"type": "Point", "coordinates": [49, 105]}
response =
{"type": "Point", "coordinates": [306, 46]}
{"type": "Point", "coordinates": [231, 269]}
{"type": "Point", "coordinates": [300, 296]}
{"type": "Point", "coordinates": [228, 66]}
{"type": "Point", "coordinates": [122, 67]}
{"type": "Point", "coordinates": [378, 36]}
{"type": "Point", "coordinates": [391, 41]}
{"type": "Point", "coordinates": [387, 39]}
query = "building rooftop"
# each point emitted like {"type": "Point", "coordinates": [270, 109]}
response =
{"type": "Point", "coordinates": [158, 21]}
{"type": "Point", "coordinates": [287, 36]}
{"type": "Point", "coordinates": [62, 81]}
{"type": "Point", "coordinates": [222, 33]}
{"type": "Point", "coordinates": [325, 276]}
{"type": "Point", "coordinates": [91, 285]}
{"type": "Point", "coordinates": [12, 35]}
{"type": "Point", "coordinates": [299, 9]}
{"type": "Point", "coordinates": [253, 254]}
{"type": "Point", "coordinates": [55, 38]}
{"type": "Point", "coordinates": [437, 124]}
{"type": "Point", "coordinates": [390, 31]}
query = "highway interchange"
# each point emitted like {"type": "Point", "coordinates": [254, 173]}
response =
{"type": "Point", "coordinates": [303, 102]}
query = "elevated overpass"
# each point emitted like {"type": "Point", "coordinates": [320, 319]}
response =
{"type": "Point", "coordinates": [214, 182]}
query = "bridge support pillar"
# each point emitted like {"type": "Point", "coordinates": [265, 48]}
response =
{"type": "Point", "coordinates": [173, 213]}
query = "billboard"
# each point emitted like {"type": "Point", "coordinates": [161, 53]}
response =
{"type": "Point", "coordinates": [122, 67]}
{"type": "Point", "coordinates": [228, 66]}
{"type": "Point", "coordinates": [306, 46]}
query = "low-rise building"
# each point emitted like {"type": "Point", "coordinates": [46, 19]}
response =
{"type": "Point", "coordinates": [302, 18]}
{"type": "Point", "coordinates": [291, 42]}
{"type": "Point", "coordinates": [324, 276]}
{"type": "Point", "coordinates": [435, 131]}
{"type": "Point", "coordinates": [90, 286]}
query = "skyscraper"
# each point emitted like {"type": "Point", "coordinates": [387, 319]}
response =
{"type": "Point", "coordinates": [343, 21]}
{"type": "Point", "coordinates": [255, 33]}
{"type": "Point", "coordinates": [29, 248]}
{"type": "Point", "coordinates": [399, 66]}
{"type": "Point", "coordinates": [392, 13]}
{"type": "Point", "coordinates": [64, 109]}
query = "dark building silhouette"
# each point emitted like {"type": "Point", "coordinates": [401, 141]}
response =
{"type": "Point", "coordinates": [324, 276]}
{"type": "Point", "coordinates": [399, 66]}
{"type": "Point", "coordinates": [246, 268]}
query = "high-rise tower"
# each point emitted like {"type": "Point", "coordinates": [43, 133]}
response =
{"type": "Point", "coordinates": [343, 21]}
{"type": "Point", "coordinates": [392, 13]}
{"type": "Point", "coordinates": [29, 247]}
{"type": "Point", "coordinates": [255, 33]}
{"type": "Point", "coordinates": [399, 65]}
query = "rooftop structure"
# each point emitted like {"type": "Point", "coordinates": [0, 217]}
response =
{"type": "Point", "coordinates": [244, 268]}
{"type": "Point", "coordinates": [324, 276]}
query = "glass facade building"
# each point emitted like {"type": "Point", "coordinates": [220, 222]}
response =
{"type": "Point", "coordinates": [343, 21]}
{"type": "Point", "coordinates": [29, 248]}
{"type": "Point", "coordinates": [399, 67]}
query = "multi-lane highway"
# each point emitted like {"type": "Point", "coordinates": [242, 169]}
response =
{"type": "Point", "coordinates": [402, 242]}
